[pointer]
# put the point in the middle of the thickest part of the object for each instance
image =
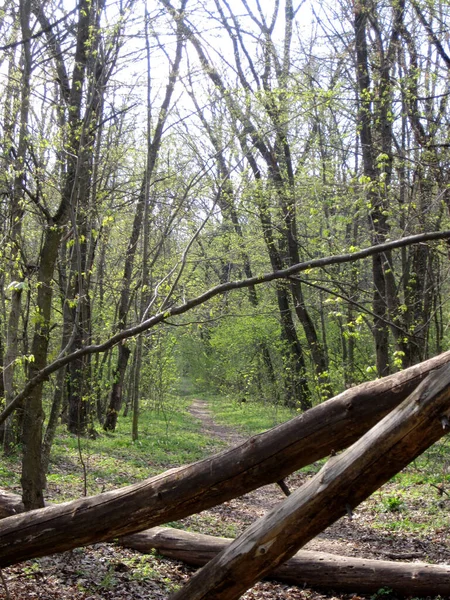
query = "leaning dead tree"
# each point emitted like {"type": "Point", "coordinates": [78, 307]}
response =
{"type": "Point", "coordinates": [305, 568]}
{"type": "Point", "coordinates": [344, 482]}
{"type": "Point", "coordinates": [175, 494]}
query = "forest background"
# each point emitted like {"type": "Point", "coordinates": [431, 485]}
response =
{"type": "Point", "coordinates": [158, 160]}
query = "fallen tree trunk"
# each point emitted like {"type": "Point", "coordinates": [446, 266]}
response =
{"type": "Point", "coordinates": [318, 570]}
{"type": "Point", "coordinates": [262, 459]}
{"type": "Point", "coordinates": [344, 482]}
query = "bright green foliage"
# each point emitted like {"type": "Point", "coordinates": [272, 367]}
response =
{"type": "Point", "coordinates": [239, 371]}
{"type": "Point", "coordinates": [159, 374]}
{"type": "Point", "coordinates": [392, 503]}
{"type": "Point", "coordinates": [250, 417]}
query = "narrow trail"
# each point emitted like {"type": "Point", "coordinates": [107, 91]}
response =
{"type": "Point", "coordinates": [231, 518]}
{"type": "Point", "coordinates": [256, 503]}
{"type": "Point", "coordinates": [199, 409]}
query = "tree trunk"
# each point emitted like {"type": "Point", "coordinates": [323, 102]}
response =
{"type": "Point", "coordinates": [53, 420]}
{"type": "Point", "coordinates": [312, 569]}
{"type": "Point", "coordinates": [60, 383]}
{"type": "Point", "coordinates": [11, 436]}
{"type": "Point", "coordinates": [154, 145]}
{"type": "Point", "coordinates": [374, 124]}
{"type": "Point", "coordinates": [32, 478]}
{"type": "Point", "coordinates": [115, 398]}
{"type": "Point", "coordinates": [343, 482]}
{"type": "Point", "coordinates": [32, 473]}
{"type": "Point", "coordinates": [10, 504]}
{"type": "Point", "coordinates": [295, 382]}
{"type": "Point", "coordinates": [263, 459]}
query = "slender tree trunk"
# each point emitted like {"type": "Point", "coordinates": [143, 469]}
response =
{"type": "Point", "coordinates": [377, 219]}
{"type": "Point", "coordinates": [296, 385]}
{"type": "Point", "coordinates": [115, 399]}
{"type": "Point", "coordinates": [83, 250]}
{"type": "Point", "coordinates": [32, 472]}
{"type": "Point", "coordinates": [16, 275]}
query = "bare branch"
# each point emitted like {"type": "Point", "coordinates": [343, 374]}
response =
{"type": "Point", "coordinates": [433, 37]}
{"type": "Point", "coordinates": [40, 32]}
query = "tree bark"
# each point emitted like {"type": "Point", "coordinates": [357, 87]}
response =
{"type": "Point", "coordinates": [319, 570]}
{"type": "Point", "coordinates": [343, 482]}
{"type": "Point", "coordinates": [177, 493]}
{"type": "Point", "coordinates": [32, 473]}
{"type": "Point", "coordinates": [313, 569]}
{"type": "Point", "coordinates": [375, 137]}
{"type": "Point", "coordinates": [10, 504]}
{"type": "Point", "coordinates": [11, 435]}
{"type": "Point", "coordinates": [32, 477]}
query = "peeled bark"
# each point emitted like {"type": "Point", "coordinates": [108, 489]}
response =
{"type": "Point", "coordinates": [178, 493]}
{"type": "Point", "coordinates": [312, 569]}
{"type": "Point", "coordinates": [344, 482]}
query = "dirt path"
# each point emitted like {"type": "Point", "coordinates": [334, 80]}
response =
{"type": "Point", "coordinates": [199, 409]}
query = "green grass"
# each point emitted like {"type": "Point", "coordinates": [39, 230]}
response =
{"type": "Point", "coordinates": [249, 417]}
{"type": "Point", "coordinates": [167, 439]}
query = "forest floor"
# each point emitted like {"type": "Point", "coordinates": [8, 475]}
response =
{"type": "Point", "coordinates": [110, 572]}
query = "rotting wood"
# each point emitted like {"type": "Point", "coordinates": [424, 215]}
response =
{"type": "Point", "coordinates": [319, 570]}
{"type": "Point", "coordinates": [262, 459]}
{"type": "Point", "coordinates": [344, 481]}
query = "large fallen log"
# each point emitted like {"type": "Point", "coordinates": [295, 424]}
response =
{"type": "Point", "coordinates": [318, 570]}
{"type": "Point", "coordinates": [262, 459]}
{"type": "Point", "coordinates": [344, 482]}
